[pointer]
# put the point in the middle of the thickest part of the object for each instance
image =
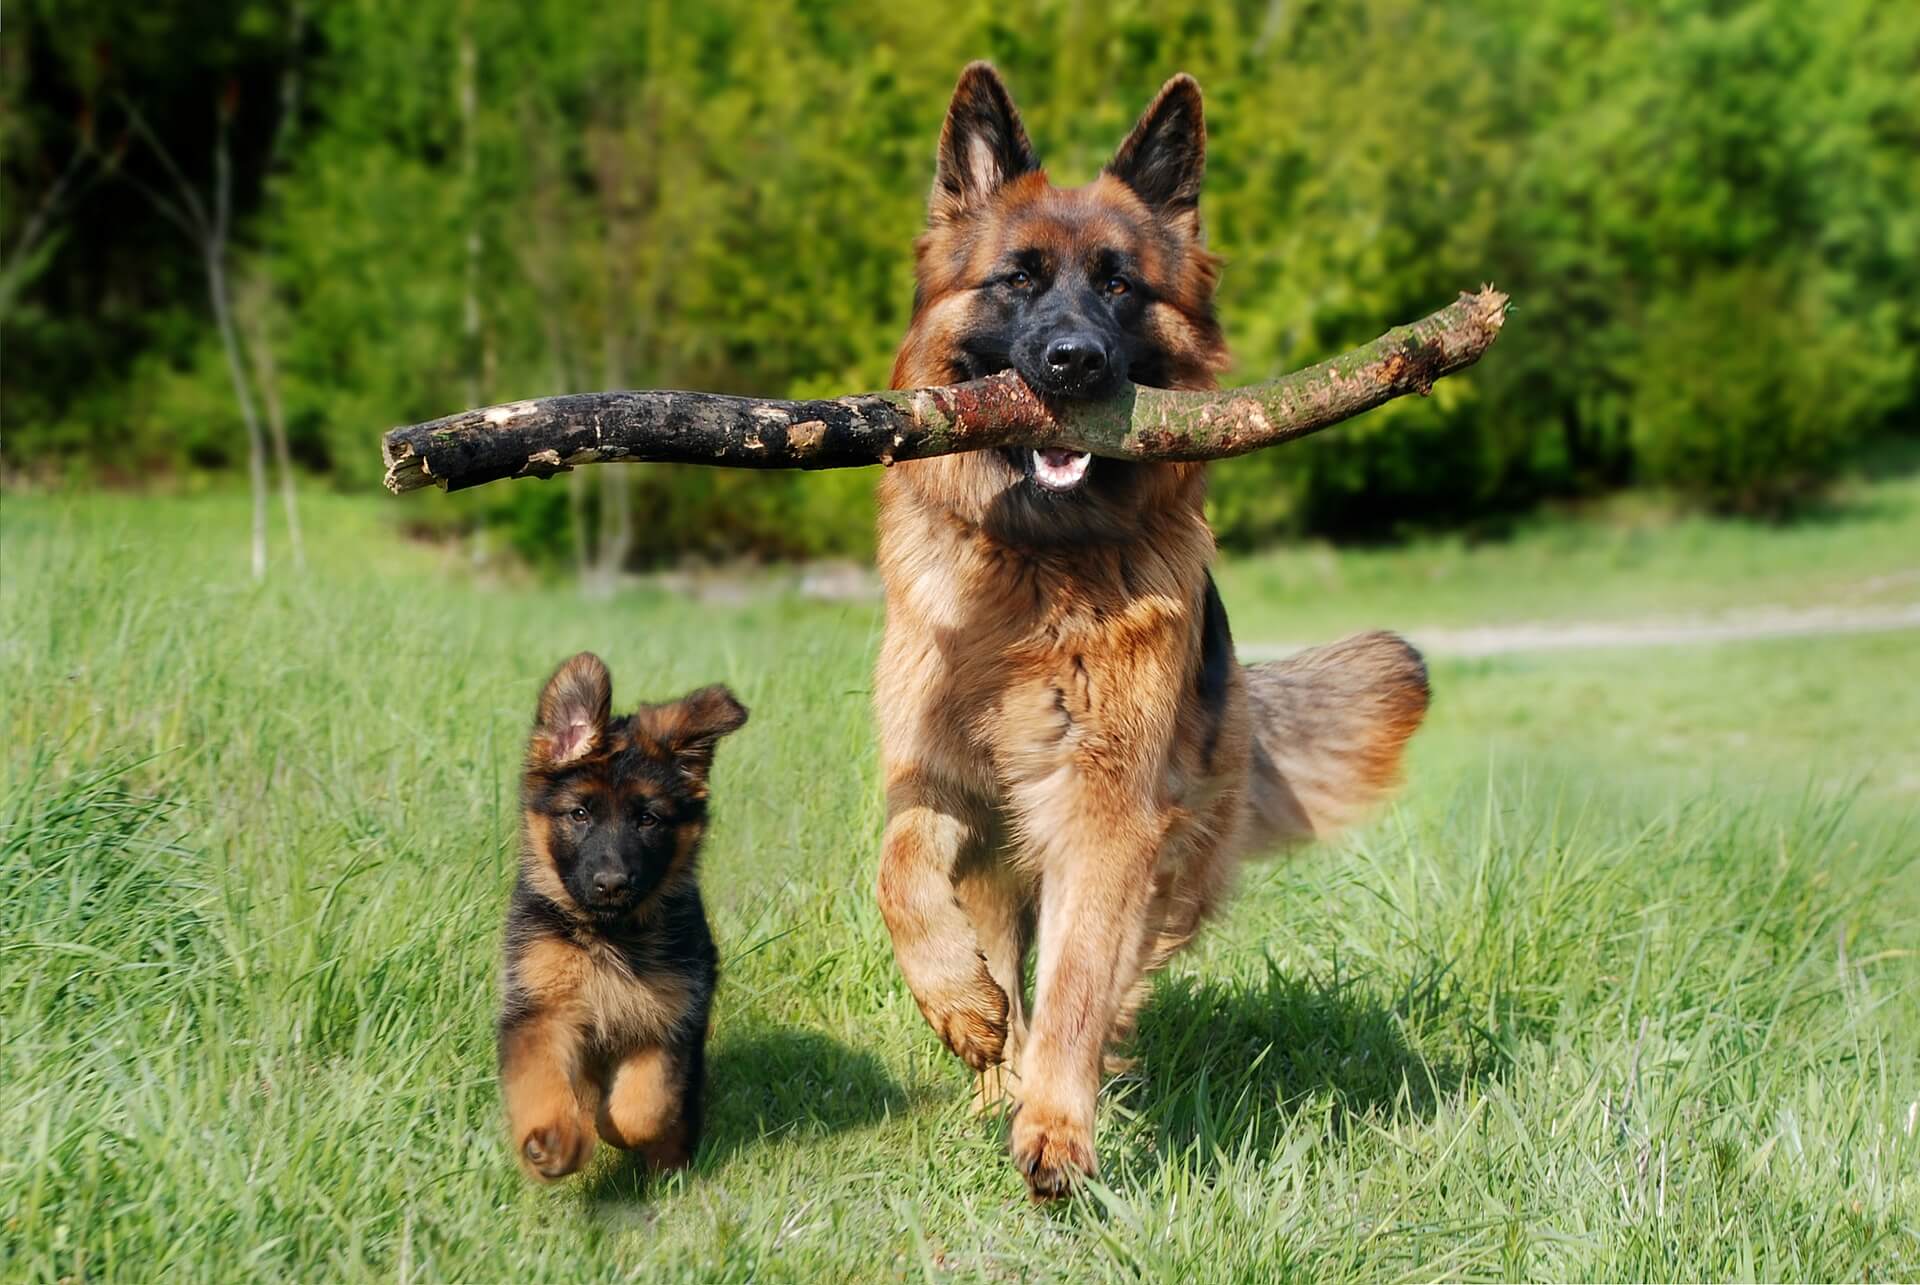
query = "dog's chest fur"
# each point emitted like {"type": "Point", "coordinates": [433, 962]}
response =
{"type": "Point", "coordinates": [1003, 664]}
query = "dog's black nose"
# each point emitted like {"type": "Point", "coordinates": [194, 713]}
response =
{"type": "Point", "coordinates": [608, 882]}
{"type": "Point", "coordinates": [1077, 356]}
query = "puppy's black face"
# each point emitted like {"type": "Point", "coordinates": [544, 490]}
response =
{"type": "Point", "coordinates": [615, 809]}
{"type": "Point", "coordinates": [618, 824]}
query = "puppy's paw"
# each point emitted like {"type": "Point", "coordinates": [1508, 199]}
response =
{"type": "Point", "coordinates": [971, 1020]}
{"type": "Point", "coordinates": [557, 1148]}
{"type": "Point", "coordinates": [1052, 1150]}
{"type": "Point", "coordinates": [668, 1154]}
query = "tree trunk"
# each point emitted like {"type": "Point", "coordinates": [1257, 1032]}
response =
{"type": "Point", "coordinates": [20, 264]}
{"type": "Point", "coordinates": [543, 257]}
{"type": "Point", "coordinates": [267, 367]}
{"type": "Point", "coordinates": [258, 310]}
{"type": "Point", "coordinates": [470, 173]}
{"type": "Point", "coordinates": [210, 231]}
{"type": "Point", "coordinates": [609, 138]}
{"type": "Point", "coordinates": [215, 254]}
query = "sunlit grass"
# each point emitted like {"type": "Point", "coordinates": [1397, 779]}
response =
{"type": "Point", "coordinates": [1629, 559]}
{"type": "Point", "coordinates": [1624, 988]}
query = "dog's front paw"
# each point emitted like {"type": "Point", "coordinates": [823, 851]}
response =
{"type": "Point", "coordinates": [971, 1020]}
{"type": "Point", "coordinates": [1052, 1150]}
{"type": "Point", "coordinates": [557, 1148]}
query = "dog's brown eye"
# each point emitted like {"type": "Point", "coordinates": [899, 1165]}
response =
{"type": "Point", "coordinates": [647, 819]}
{"type": "Point", "coordinates": [579, 814]}
{"type": "Point", "coordinates": [1020, 279]}
{"type": "Point", "coordinates": [1117, 286]}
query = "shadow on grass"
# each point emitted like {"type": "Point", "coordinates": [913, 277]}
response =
{"type": "Point", "coordinates": [1227, 1067]}
{"type": "Point", "coordinates": [771, 1088]}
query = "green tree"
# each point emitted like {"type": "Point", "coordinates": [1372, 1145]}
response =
{"type": "Point", "coordinates": [487, 201]}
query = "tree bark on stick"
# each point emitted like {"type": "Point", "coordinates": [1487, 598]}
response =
{"type": "Point", "coordinates": [553, 434]}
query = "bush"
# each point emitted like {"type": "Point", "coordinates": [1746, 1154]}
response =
{"type": "Point", "coordinates": [1706, 214]}
{"type": "Point", "coordinates": [1749, 391]}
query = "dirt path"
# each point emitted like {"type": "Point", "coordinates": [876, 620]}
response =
{"type": "Point", "coordinates": [852, 582]}
{"type": "Point", "coordinates": [1732, 626]}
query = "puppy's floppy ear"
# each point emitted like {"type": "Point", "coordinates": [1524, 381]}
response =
{"type": "Point", "coordinates": [690, 727]}
{"type": "Point", "coordinates": [982, 145]}
{"type": "Point", "coordinates": [1165, 157]}
{"type": "Point", "coordinates": [572, 717]}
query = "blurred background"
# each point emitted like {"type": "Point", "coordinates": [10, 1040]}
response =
{"type": "Point", "coordinates": [271, 230]}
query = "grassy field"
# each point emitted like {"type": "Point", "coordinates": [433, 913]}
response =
{"type": "Point", "coordinates": [1636, 560]}
{"type": "Point", "coordinates": [1625, 987]}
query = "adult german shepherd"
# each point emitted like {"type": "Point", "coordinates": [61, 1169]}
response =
{"type": "Point", "coordinates": [1072, 754]}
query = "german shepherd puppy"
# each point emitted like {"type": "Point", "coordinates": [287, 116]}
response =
{"type": "Point", "coordinates": [1071, 751]}
{"type": "Point", "coordinates": [610, 968]}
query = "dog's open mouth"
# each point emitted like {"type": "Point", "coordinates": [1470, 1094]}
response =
{"type": "Point", "coordinates": [1054, 469]}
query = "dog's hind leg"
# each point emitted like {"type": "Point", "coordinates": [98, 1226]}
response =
{"type": "Point", "coordinates": [999, 900]}
{"type": "Point", "coordinates": [1184, 898]}
{"type": "Point", "coordinates": [934, 941]}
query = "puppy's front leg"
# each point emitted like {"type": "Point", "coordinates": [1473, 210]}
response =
{"type": "Point", "coordinates": [933, 939]}
{"type": "Point", "coordinates": [652, 1105]}
{"type": "Point", "coordinates": [550, 1105]}
{"type": "Point", "coordinates": [1096, 884]}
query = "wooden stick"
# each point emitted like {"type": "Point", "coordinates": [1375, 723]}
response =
{"type": "Point", "coordinates": [552, 434]}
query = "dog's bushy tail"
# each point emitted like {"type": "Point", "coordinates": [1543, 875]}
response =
{"type": "Point", "coordinates": [1329, 726]}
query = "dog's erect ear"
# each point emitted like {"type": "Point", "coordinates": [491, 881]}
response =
{"type": "Point", "coordinates": [690, 727]}
{"type": "Point", "coordinates": [1165, 157]}
{"type": "Point", "coordinates": [982, 145]}
{"type": "Point", "coordinates": [573, 711]}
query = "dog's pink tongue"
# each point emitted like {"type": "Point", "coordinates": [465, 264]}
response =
{"type": "Point", "coordinates": [1058, 458]}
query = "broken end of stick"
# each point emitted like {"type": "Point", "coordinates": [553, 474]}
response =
{"type": "Point", "coordinates": [1490, 307]}
{"type": "Point", "coordinates": [406, 468]}
{"type": "Point", "coordinates": [409, 470]}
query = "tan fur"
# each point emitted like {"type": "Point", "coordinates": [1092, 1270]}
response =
{"type": "Point", "coordinates": [592, 989]}
{"type": "Point", "coordinates": [1329, 727]}
{"type": "Point", "coordinates": [550, 1103]}
{"type": "Point", "coordinates": [641, 1110]}
{"type": "Point", "coordinates": [552, 1095]}
{"type": "Point", "coordinates": [537, 862]}
{"type": "Point", "coordinates": [1053, 771]}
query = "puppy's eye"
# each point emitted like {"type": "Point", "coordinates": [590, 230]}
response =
{"type": "Point", "coordinates": [1020, 279]}
{"type": "Point", "coordinates": [1117, 286]}
{"type": "Point", "coordinates": [580, 814]}
{"type": "Point", "coordinates": [647, 819]}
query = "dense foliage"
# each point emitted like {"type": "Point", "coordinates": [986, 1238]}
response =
{"type": "Point", "coordinates": [1709, 214]}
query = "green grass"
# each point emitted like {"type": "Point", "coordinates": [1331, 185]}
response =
{"type": "Point", "coordinates": [1859, 550]}
{"type": "Point", "coordinates": [1624, 988]}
